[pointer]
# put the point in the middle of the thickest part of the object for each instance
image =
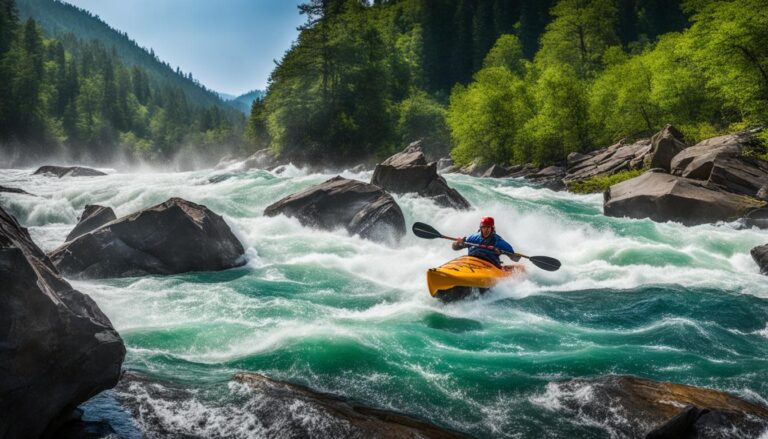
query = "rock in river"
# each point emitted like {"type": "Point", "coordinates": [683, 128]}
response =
{"type": "Point", "coordinates": [633, 407]}
{"type": "Point", "coordinates": [173, 237]}
{"type": "Point", "coordinates": [93, 217]}
{"type": "Point", "coordinates": [71, 171]}
{"type": "Point", "coordinates": [57, 349]}
{"type": "Point", "coordinates": [361, 208]}
{"type": "Point", "coordinates": [408, 172]}
{"type": "Point", "coordinates": [664, 197]}
{"type": "Point", "coordinates": [760, 255]}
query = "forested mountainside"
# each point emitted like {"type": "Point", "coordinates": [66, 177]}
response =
{"type": "Point", "coordinates": [244, 102]}
{"type": "Point", "coordinates": [58, 18]}
{"type": "Point", "coordinates": [87, 99]}
{"type": "Point", "coordinates": [512, 81]}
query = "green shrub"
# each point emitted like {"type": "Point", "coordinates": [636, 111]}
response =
{"type": "Point", "coordinates": [600, 183]}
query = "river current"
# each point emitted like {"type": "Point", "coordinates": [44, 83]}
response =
{"type": "Point", "coordinates": [353, 317]}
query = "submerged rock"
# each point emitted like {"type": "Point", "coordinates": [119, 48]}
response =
{"type": "Point", "coordinates": [15, 190]}
{"type": "Point", "coordinates": [760, 255]}
{"type": "Point", "coordinates": [632, 407]}
{"type": "Point", "coordinates": [173, 237]}
{"type": "Point", "coordinates": [71, 171]}
{"type": "Point", "coordinates": [93, 217]}
{"type": "Point", "coordinates": [262, 407]}
{"type": "Point", "coordinates": [287, 404]}
{"type": "Point", "coordinates": [361, 208]}
{"type": "Point", "coordinates": [57, 348]}
{"type": "Point", "coordinates": [665, 197]}
{"type": "Point", "coordinates": [408, 171]}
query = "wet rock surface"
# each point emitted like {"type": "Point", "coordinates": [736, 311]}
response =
{"type": "Point", "coordinates": [760, 255]}
{"type": "Point", "coordinates": [409, 172]}
{"type": "Point", "coordinates": [361, 208]}
{"type": "Point", "coordinates": [633, 407]}
{"type": "Point", "coordinates": [57, 348]}
{"type": "Point", "coordinates": [176, 236]}
{"type": "Point", "coordinates": [664, 197]}
{"type": "Point", "coordinates": [15, 190]}
{"type": "Point", "coordinates": [70, 171]}
{"type": "Point", "coordinates": [262, 407]}
{"type": "Point", "coordinates": [93, 217]}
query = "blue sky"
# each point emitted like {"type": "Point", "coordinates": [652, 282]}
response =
{"type": "Point", "coordinates": [228, 45]}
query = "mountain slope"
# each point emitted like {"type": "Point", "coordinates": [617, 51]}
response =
{"type": "Point", "coordinates": [57, 18]}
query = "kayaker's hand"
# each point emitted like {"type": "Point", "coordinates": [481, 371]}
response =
{"type": "Point", "coordinates": [460, 241]}
{"type": "Point", "coordinates": [458, 244]}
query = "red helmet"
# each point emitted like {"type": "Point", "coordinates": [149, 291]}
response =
{"type": "Point", "coordinates": [487, 221]}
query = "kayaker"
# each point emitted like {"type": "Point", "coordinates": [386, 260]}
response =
{"type": "Point", "coordinates": [486, 236]}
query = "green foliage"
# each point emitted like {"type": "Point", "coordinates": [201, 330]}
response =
{"type": "Point", "coordinates": [506, 52]}
{"type": "Point", "coordinates": [579, 35]}
{"type": "Point", "coordinates": [486, 118]}
{"type": "Point", "coordinates": [602, 183]}
{"type": "Point", "coordinates": [425, 119]}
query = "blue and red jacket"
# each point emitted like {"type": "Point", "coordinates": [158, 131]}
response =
{"type": "Point", "coordinates": [493, 240]}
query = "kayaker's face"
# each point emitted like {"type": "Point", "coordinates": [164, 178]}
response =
{"type": "Point", "coordinates": [486, 231]}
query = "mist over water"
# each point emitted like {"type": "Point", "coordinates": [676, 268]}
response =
{"type": "Point", "coordinates": [353, 317]}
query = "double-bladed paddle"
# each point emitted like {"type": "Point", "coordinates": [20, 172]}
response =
{"type": "Point", "coordinates": [428, 232]}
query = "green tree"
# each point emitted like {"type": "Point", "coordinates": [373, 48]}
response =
{"type": "Point", "coordinates": [506, 52]}
{"type": "Point", "coordinates": [423, 118]}
{"type": "Point", "coordinates": [579, 35]}
{"type": "Point", "coordinates": [486, 117]}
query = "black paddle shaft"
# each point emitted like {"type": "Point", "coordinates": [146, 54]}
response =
{"type": "Point", "coordinates": [428, 232]}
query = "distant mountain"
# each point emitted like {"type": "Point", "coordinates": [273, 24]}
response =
{"type": "Point", "coordinates": [244, 101]}
{"type": "Point", "coordinates": [58, 19]}
{"type": "Point", "coordinates": [225, 96]}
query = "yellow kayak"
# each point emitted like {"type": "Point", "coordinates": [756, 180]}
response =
{"type": "Point", "coordinates": [456, 278]}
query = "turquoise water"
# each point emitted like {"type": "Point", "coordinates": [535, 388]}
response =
{"type": "Point", "coordinates": [353, 317]}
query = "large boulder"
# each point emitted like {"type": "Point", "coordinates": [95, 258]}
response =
{"type": "Point", "coordinates": [362, 208]}
{"type": "Point", "coordinates": [760, 255]}
{"type": "Point", "coordinates": [93, 217]}
{"type": "Point", "coordinates": [664, 197]}
{"type": "Point", "coordinates": [71, 171]}
{"type": "Point", "coordinates": [632, 407]}
{"type": "Point", "coordinates": [173, 237]}
{"type": "Point", "coordinates": [408, 172]}
{"type": "Point", "coordinates": [665, 144]}
{"type": "Point", "coordinates": [264, 408]}
{"type": "Point", "coordinates": [608, 161]}
{"type": "Point", "coordinates": [57, 349]}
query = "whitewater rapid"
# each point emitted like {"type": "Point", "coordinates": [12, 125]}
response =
{"type": "Point", "coordinates": [353, 317]}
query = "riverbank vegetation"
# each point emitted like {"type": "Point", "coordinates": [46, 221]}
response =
{"type": "Point", "coordinates": [514, 81]}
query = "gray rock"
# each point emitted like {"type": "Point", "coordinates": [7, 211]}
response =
{"type": "Point", "coordinates": [525, 170]}
{"type": "Point", "coordinates": [57, 349]}
{"type": "Point", "coordinates": [93, 217]}
{"type": "Point", "coordinates": [15, 190]}
{"type": "Point", "coordinates": [496, 171]}
{"type": "Point", "coordinates": [550, 177]}
{"type": "Point", "coordinates": [473, 169]}
{"type": "Point", "coordinates": [762, 193]}
{"type": "Point", "coordinates": [270, 409]}
{"type": "Point", "coordinates": [444, 163]}
{"type": "Point", "coordinates": [665, 197]}
{"type": "Point", "coordinates": [665, 144]}
{"type": "Point", "coordinates": [760, 255]}
{"type": "Point", "coordinates": [71, 171]}
{"type": "Point", "coordinates": [757, 218]}
{"type": "Point", "coordinates": [173, 237]}
{"type": "Point", "coordinates": [608, 161]}
{"type": "Point", "coordinates": [409, 172]}
{"type": "Point", "coordinates": [632, 407]}
{"type": "Point", "coordinates": [696, 162]}
{"type": "Point", "coordinates": [361, 208]}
